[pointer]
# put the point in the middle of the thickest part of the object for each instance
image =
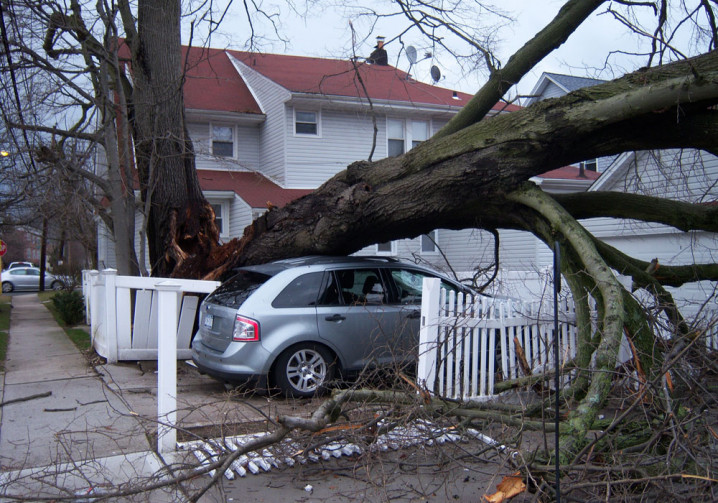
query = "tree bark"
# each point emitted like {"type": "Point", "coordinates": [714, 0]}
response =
{"type": "Point", "coordinates": [681, 215]}
{"type": "Point", "coordinates": [611, 297]}
{"type": "Point", "coordinates": [181, 222]}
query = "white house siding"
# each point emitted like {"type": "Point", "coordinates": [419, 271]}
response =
{"type": "Point", "coordinates": [467, 249]}
{"type": "Point", "coordinates": [105, 248]}
{"type": "Point", "coordinates": [436, 125]}
{"type": "Point", "coordinates": [552, 91]}
{"type": "Point", "coordinates": [246, 148]}
{"type": "Point", "coordinates": [344, 137]}
{"type": "Point", "coordinates": [272, 138]}
{"type": "Point", "coordinates": [240, 216]}
{"type": "Point", "coordinates": [687, 175]}
{"type": "Point", "coordinates": [106, 258]}
{"type": "Point", "coordinates": [199, 133]}
{"type": "Point", "coordinates": [517, 250]}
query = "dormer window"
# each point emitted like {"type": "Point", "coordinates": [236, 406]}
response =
{"type": "Point", "coordinates": [306, 123]}
{"type": "Point", "coordinates": [223, 141]}
{"type": "Point", "coordinates": [590, 165]}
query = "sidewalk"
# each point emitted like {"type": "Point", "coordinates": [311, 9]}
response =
{"type": "Point", "coordinates": [62, 424]}
{"type": "Point", "coordinates": [67, 429]}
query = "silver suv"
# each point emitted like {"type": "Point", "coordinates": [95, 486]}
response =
{"type": "Point", "coordinates": [302, 322]}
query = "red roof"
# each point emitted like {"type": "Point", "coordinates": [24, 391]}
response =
{"type": "Point", "coordinates": [570, 173]}
{"type": "Point", "coordinates": [214, 84]}
{"type": "Point", "coordinates": [257, 190]}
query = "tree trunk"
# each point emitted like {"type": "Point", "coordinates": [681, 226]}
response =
{"type": "Point", "coordinates": [181, 222]}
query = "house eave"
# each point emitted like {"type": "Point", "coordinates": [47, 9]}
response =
{"type": "Point", "coordinates": [219, 194]}
{"type": "Point", "coordinates": [356, 103]}
{"type": "Point", "coordinates": [194, 114]}
{"type": "Point", "coordinates": [558, 185]}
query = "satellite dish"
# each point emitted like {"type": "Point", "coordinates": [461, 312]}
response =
{"type": "Point", "coordinates": [411, 54]}
{"type": "Point", "coordinates": [435, 73]}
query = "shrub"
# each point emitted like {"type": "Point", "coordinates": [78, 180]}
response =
{"type": "Point", "coordinates": [70, 306]}
{"type": "Point", "coordinates": [70, 275]}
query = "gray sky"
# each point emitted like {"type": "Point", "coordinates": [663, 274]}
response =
{"type": "Point", "coordinates": [325, 32]}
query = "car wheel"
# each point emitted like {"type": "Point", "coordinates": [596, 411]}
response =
{"type": "Point", "coordinates": [304, 370]}
{"type": "Point", "coordinates": [7, 287]}
{"type": "Point", "coordinates": [57, 285]}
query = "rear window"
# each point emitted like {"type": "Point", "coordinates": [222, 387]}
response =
{"type": "Point", "coordinates": [301, 292]}
{"type": "Point", "coordinates": [234, 291]}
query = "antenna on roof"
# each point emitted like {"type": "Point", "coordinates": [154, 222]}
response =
{"type": "Point", "coordinates": [413, 58]}
{"type": "Point", "coordinates": [435, 73]}
{"type": "Point", "coordinates": [411, 54]}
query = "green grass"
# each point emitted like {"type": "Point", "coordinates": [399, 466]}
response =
{"type": "Point", "coordinates": [78, 335]}
{"type": "Point", "coordinates": [4, 328]}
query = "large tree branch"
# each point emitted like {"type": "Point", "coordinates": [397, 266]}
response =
{"type": "Point", "coordinates": [568, 19]}
{"type": "Point", "coordinates": [681, 215]}
{"type": "Point", "coordinates": [662, 274]}
{"type": "Point", "coordinates": [461, 181]}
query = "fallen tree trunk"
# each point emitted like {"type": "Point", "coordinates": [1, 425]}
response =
{"type": "Point", "coordinates": [462, 180]}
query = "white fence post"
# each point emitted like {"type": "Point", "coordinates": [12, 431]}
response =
{"type": "Point", "coordinates": [110, 314]}
{"type": "Point", "coordinates": [429, 333]}
{"type": "Point", "coordinates": [167, 367]}
{"type": "Point", "coordinates": [91, 302]}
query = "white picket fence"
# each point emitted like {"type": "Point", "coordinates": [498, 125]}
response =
{"type": "Point", "coordinates": [123, 313]}
{"type": "Point", "coordinates": [464, 346]}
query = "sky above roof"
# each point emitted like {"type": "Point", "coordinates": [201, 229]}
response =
{"type": "Point", "coordinates": [599, 49]}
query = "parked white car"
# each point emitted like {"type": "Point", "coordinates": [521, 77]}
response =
{"type": "Point", "coordinates": [28, 278]}
{"type": "Point", "coordinates": [13, 265]}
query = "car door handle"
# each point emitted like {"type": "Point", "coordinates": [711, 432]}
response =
{"type": "Point", "coordinates": [413, 315]}
{"type": "Point", "coordinates": [335, 317]}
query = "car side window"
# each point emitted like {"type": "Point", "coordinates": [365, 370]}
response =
{"type": "Point", "coordinates": [409, 285]}
{"type": "Point", "coordinates": [300, 292]}
{"type": "Point", "coordinates": [329, 294]}
{"type": "Point", "coordinates": [353, 287]}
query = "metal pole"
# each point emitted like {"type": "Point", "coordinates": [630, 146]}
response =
{"type": "Point", "coordinates": [556, 290]}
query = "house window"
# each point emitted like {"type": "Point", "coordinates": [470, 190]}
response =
{"type": "Point", "coordinates": [405, 135]}
{"type": "Point", "coordinates": [395, 137]}
{"type": "Point", "coordinates": [590, 165]}
{"type": "Point", "coordinates": [385, 248]}
{"type": "Point", "coordinates": [429, 241]}
{"type": "Point", "coordinates": [419, 132]}
{"type": "Point", "coordinates": [306, 122]}
{"type": "Point", "coordinates": [223, 141]}
{"type": "Point", "coordinates": [220, 218]}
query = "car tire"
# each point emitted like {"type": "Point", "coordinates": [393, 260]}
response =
{"type": "Point", "coordinates": [57, 285]}
{"type": "Point", "coordinates": [304, 371]}
{"type": "Point", "coordinates": [7, 287]}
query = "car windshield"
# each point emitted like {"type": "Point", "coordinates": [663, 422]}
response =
{"type": "Point", "coordinates": [234, 291]}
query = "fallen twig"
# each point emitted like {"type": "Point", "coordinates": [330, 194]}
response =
{"type": "Point", "coordinates": [26, 398]}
